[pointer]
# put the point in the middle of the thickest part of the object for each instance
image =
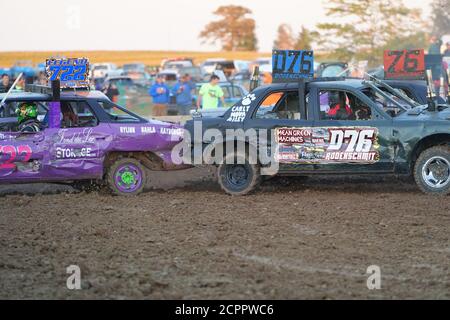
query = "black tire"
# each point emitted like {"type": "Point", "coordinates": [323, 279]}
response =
{"type": "Point", "coordinates": [126, 177]}
{"type": "Point", "coordinates": [238, 179]}
{"type": "Point", "coordinates": [433, 164]}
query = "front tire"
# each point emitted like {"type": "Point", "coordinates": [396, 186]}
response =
{"type": "Point", "coordinates": [126, 177]}
{"type": "Point", "coordinates": [432, 170]}
{"type": "Point", "coordinates": [238, 179]}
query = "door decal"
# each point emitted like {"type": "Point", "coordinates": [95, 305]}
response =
{"type": "Point", "coordinates": [327, 145]}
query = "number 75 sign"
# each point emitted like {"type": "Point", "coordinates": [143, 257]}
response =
{"type": "Point", "coordinates": [404, 64]}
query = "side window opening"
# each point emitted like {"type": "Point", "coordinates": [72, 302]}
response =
{"type": "Point", "coordinates": [280, 105]}
{"type": "Point", "coordinates": [342, 105]}
{"type": "Point", "coordinates": [77, 114]}
{"type": "Point", "coordinates": [9, 119]}
{"type": "Point", "coordinates": [117, 114]}
{"type": "Point", "coordinates": [387, 102]}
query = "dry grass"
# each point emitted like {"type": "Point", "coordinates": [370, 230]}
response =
{"type": "Point", "coordinates": [120, 57]}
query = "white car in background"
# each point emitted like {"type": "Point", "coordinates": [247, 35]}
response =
{"type": "Point", "coordinates": [209, 66]}
{"type": "Point", "coordinates": [103, 70]}
{"type": "Point", "coordinates": [177, 65]}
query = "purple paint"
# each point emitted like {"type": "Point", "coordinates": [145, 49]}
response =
{"type": "Point", "coordinates": [54, 114]}
{"type": "Point", "coordinates": [67, 154]}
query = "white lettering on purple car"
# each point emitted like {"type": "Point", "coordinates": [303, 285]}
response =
{"type": "Point", "coordinates": [148, 130]}
{"type": "Point", "coordinates": [128, 130]}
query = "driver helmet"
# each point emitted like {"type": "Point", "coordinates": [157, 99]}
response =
{"type": "Point", "coordinates": [27, 111]}
{"type": "Point", "coordinates": [333, 98]}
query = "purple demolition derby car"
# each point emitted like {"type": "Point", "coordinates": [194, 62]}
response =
{"type": "Point", "coordinates": [80, 136]}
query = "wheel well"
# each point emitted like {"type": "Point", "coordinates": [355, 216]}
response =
{"type": "Point", "coordinates": [248, 147]}
{"type": "Point", "coordinates": [428, 142]}
{"type": "Point", "coordinates": [148, 159]}
{"type": "Point", "coordinates": [214, 147]}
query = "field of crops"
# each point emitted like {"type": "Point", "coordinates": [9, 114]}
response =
{"type": "Point", "coordinates": [120, 57]}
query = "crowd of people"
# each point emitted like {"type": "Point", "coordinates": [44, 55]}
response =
{"type": "Point", "coordinates": [6, 82]}
{"type": "Point", "coordinates": [209, 95]}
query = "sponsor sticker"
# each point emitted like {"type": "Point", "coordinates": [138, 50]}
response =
{"type": "Point", "coordinates": [327, 145]}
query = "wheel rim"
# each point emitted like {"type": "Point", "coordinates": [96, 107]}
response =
{"type": "Point", "coordinates": [436, 172]}
{"type": "Point", "coordinates": [237, 175]}
{"type": "Point", "coordinates": [128, 178]}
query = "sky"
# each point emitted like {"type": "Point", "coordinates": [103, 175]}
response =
{"type": "Point", "coordinates": [58, 25]}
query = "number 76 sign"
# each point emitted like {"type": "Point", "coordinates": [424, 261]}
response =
{"type": "Point", "coordinates": [404, 64]}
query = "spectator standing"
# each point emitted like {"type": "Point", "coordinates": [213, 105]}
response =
{"type": "Point", "coordinates": [183, 93]}
{"type": "Point", "coordinates": [112, 92]}
{"type": "Point", "coordinates": [210, 93]}
{"type": "Point", "coordinates": [5, 85]}
{"type": "Point", "coordinates": [435, 45]}
{"type": "Point", "coordinates": [159, 91]}
{"type": "Point", "coordinates": [447, 50]}
{"type": "Point", "coordinates": [42, 79]}
{"type": "Point", "coordinates": [21, 84]}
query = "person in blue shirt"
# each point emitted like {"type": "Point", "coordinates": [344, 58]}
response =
{"type": "Point", "coordinates": [183, 93]}
{"type": "Point", "coordinates": [160, 92]}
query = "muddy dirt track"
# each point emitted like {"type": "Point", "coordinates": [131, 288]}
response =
{"type": "Point", "coordinates": [312, 239]}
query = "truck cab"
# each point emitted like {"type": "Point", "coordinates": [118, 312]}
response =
{"type": "Point", "coordinates": [330, 126]}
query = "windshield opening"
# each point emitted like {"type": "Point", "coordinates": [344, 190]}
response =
{"type": "Point", "coordinates": [393, 105]}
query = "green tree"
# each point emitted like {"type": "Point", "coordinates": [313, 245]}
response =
{"type": "Point", "coordinates": [362, 29]}
{"type": "Point", "coordinates": [305, 39]}
{"type": "Point", "coordinates": [441, 17]}
{"type": "Point", "coordinates": [235, 30]}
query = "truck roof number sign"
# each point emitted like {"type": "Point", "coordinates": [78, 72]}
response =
{"type": "Point", "coordinates": [404, 64]}
{"type": "Point", "coordinates": [288, 65]}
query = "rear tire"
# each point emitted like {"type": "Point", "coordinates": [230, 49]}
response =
{"type": "Point", "coordinates": [126, 177]}
{"type": "Point", "coordinates": [432, 171]}
{"type": "Point", "coordinates": [238, 179]}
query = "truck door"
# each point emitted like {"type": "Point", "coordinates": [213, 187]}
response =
{"type": "Point", "coordinates": [353, 134]}
{"type": "Point", "coordinates": [21, 153]}
{"type": "Point", "coordinates": [78, 147]}
{"type": "Point", "coordinates": [282, 115]}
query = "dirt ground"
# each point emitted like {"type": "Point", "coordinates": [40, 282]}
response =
{"type": "Point", "coordinates": [310, 239]}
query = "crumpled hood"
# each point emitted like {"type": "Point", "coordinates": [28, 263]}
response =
{"type": "Point", "coordinates": [424, 115]}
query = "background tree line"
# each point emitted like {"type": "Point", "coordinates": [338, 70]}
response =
{"type": "Point", "coordinates": [361, 29]}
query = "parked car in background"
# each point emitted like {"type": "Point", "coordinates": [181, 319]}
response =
{"type": "Point", "coordinates": [103, 70]}
{"type": "Point", "coordinates": [119, 81]}
{"type": "Point", "coordinates": [209, 65]}
{"type": "Point", "coordinates": [132, 93]}
{"type": "Point", "coordinates": [228, 67]}
{"type": "Point", "coordinates": [194, 72]}
{"type": "Point", "coordinates": [133, 67]}
{"type": "Point", "coordinates": [140, 78]}
{"type": "Point", "coordinates": [176, 63]}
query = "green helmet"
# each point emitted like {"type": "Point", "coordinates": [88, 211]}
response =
{"type": "Point", "coordinates": [26, 111]}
